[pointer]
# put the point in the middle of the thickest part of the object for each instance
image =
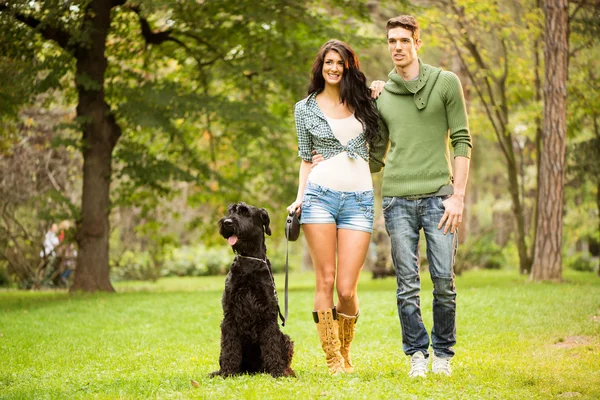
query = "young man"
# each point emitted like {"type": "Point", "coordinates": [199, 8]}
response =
{"type": "Point", "coordinates": [422, 109]}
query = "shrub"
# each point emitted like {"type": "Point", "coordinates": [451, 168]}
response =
{"type": "Point", "coordinates": [197, 261]}
{"type": "Point", "coordinates": [132, 265]}
{"type": "Point", "coordinates": [480, 252]}
{"type": "Point", "coordinates": [580, 262]}
{"type": "Point", "coordinates": [4, 279]}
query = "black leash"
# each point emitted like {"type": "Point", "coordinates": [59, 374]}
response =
{"type": "Point", "coordinates": [283, 318]}
{"type": "Point", "coordinates": [287, 246]}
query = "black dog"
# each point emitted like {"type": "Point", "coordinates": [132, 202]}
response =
{"type": "Point", "coordinates": [251, 341]}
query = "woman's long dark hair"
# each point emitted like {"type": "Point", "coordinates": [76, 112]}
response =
{"type": "Point", "coordinates": [353, 88]}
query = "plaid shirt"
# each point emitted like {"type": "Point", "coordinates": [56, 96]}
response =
{"type": "Point", "coordinates": [314, 133]}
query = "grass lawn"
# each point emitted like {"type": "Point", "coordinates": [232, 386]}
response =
{"type": "Point", "coordinates": [516, 340]}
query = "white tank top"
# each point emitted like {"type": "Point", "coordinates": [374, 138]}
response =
{"type": "Point", "coordinates": [341, 172]}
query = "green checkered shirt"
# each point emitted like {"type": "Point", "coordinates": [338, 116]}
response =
{"type": "Point", "coordinates": [314, 133]}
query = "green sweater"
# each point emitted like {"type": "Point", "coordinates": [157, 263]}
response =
{"type": "Point", "coordinates": [418, 120]}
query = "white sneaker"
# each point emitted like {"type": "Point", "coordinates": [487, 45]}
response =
{"type": "Point", "coordinates": [441, 366]}
{"type": "Point", "coordinates": [418, 365]}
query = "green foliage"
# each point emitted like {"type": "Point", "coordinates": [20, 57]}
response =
{"type": "Point", "coordinates": [479, 252]}
{"type": "Point", "coordinates": [580, 262]}
{"type": "Point", "coordinates": [174, 261]}
{"type": "Point", "coordinates": [207, 121]}
{"type": "Point", "coordinates": [4, 279]}
{"type": "Point", "coordinates": [205, 117]}
{"type": "Point", "coordinates": [148, 340]}
{"type": "Point", "coordinates": [134, 266]}
{"type": "Point", "coordinates": [197, 261]}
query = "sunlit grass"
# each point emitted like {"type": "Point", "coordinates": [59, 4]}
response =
{"type": "Point", "coordinates": [516, 340]}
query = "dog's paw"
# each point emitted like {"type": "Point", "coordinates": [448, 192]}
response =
{"type": "Point", "coordinates": [214, 374]}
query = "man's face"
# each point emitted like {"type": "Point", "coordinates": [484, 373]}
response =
{"type": "Point", "coordinates": [402, 47]}
{"type": "Point", "coordinates": [333, 68]}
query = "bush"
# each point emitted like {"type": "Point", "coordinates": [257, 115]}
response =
{"type": "Point", "coordinates": [276, 253]}
{"type": "Point", "coordinates": [4, 279]}
{"type": "Point", "coordinates": [197, 261]}
{"type": "Point", "coordinates": [135, 266]}
{"type": "Point", "coordinates": [180, 261]}
{"type": "Point", "coordinates": [580, 262]}
{"type": "Point", "coordinates": [481, 252]}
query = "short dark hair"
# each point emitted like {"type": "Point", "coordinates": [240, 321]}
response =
{"type": "Point", "coordinates": [407, 22]}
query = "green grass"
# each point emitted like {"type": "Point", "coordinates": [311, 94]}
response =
{"type": "Point", "coordinates": [516, 340]}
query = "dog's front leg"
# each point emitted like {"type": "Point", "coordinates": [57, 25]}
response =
{"type": "Point", "coordinates": [275, 359]}
{"type": "Point", "coordinates": [230, 360]}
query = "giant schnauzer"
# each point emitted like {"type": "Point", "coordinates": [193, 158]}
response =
{"type": "Point", "coordinates": [251, 341]}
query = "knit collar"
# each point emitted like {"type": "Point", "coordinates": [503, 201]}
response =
{"type": "Point", "coordinates": [420, 88]}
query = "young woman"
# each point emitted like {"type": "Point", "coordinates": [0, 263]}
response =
{"type": "Point", "coordinates": [337, 120]}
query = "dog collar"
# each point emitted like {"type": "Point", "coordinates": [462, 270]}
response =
{"type": "Point", "coordinates": [253, 258]}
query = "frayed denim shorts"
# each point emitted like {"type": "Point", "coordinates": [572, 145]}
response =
{"type": "Point", "coordinates": [348, 210]}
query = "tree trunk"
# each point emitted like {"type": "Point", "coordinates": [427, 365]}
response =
{"type": "Point", "coordinates": [538, 134]}
{"type": "Point", "coordinates": [547, 259]}
{"type": "Point", "coordinates": [513, 185]}
{"type": "Point", "coordinates": [100, 135]}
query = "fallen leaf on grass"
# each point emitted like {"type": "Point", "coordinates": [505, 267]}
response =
{"type": "Point", "coordinates": [194, 383]}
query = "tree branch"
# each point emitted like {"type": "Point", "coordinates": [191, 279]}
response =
{"type": "Point", "coordinates": [152, 37]}
{"type": "Point", "coordinates": [50, 175]}
{"type": "Point", "coordinates": [479, 92]}
{"type": "Point", "coordinates": [577, 49]}
{"type": "Point", "coordinates": [497, 130]}
{"type": "Point", "coordinates": [469, 44]}
{"type": "Point", "coordinates": [54, 33]}
{"type": "Point", "coordinates": [580, 5]}
{"type": "Point", "coordinates": [116, 3]}
{"type": "Point", "coordinates": [502, 81]}
{"type": "Point", "coordinates": [474, 50]}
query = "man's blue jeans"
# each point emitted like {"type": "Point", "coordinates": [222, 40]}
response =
{"type": "Point", "coordinates": [403, 220]}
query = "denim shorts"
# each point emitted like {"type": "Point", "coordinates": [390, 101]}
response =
{"type": "Point", "coordinates": [348, 210]}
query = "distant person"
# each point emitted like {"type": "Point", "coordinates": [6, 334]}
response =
{"type": "Point", "coordinates": [69, 261]}
{"type": "Point", "coordinates": [67, 252]}
{"type": "Point", "coordinates": [337, 119]}
{"type": "Point", "coordinates": [50, 242]}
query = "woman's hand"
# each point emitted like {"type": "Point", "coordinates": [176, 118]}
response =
{"type": "Point", "coordinates": [295, 206]}
{"type": "Point", "coordinates": [376, 88]}
{"type": "Point", "coordinates": [316, 159]}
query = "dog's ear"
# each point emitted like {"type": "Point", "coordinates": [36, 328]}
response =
{"type": "Point", "coordinates": [264, 216]}
{"type": "Point", "coordinates": [231, 209]}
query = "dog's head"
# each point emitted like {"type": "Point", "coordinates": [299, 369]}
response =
{"type": "Point", "coordinates": [244, 227]}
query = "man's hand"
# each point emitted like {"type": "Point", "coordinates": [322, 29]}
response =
{"type": "Point", "coordinates": [452, 217]}
{"type": "Point", "coordinates": [316, 158]}
{"type": "Point", "coordinates": [376, 88]}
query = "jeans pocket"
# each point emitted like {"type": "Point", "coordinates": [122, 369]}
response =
{"type": "Point", "coordinates": [387, 202]}
{"type": "Point", "coordinates": [310, 196]}
{"type": "Point", "coordinates": [366, 205]}
{"type": "Point", "coordinates": [442, 199]}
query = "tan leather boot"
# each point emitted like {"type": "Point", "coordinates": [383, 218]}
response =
{"type": "Point", "coordinates": [347, 326]}
{"type": "Point", "coordinates": [327, 326]}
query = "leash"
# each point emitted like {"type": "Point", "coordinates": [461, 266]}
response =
{"type": "Point", "coordinates": [287, 243]}
{"type": "Point", "coordinates": [283, 318]}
